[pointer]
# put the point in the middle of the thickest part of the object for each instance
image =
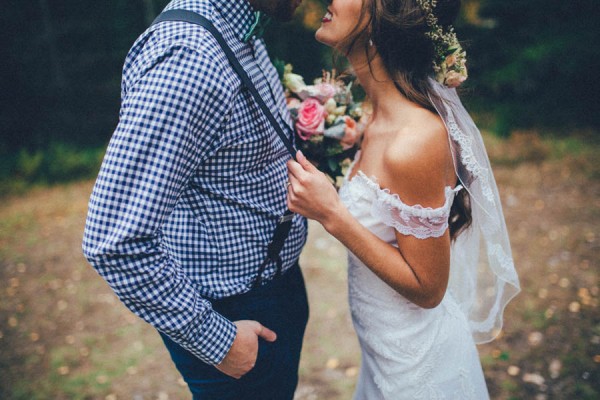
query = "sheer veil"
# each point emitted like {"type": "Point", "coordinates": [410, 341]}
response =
{"type": "Point", "coordinates": [482, 273]}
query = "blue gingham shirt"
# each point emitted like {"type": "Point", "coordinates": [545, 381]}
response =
{"type": "Point", "coordinates": [194, 178]}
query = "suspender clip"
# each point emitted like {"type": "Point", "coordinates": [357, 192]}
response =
{"type": "Point", "coordinates": [286, 217]}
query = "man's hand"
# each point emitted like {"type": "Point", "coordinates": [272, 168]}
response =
{"type": "Point", "coordinates": [242, 355]}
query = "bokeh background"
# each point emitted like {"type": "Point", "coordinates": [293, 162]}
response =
{"type": "Point", "coordinates": [533, 89]}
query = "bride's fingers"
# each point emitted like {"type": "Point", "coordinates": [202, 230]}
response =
{"type": "Point", "coordinates": [292, 183]}
{"type": "Point", "coordinates": [295, 169]}
{"type": "Point", "coordinates": [303, 161]}
{"type": "Point", "coordinates": [292, 197]}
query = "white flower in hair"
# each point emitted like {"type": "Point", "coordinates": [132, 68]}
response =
{"type": "Point", "coordinates": [450, 60]}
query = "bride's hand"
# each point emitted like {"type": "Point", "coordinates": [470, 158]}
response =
{"type": "Point", "coordinates": [310, 192]}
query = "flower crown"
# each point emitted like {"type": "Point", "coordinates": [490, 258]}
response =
{"type": "Point", "coordinates": [450, 60]}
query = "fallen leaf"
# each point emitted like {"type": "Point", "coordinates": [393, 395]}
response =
{"type": "Point", "coordinates": [574, 307]}
{"type": "Point", "coordinates": [555, 368]}
{"type": "Point", "coordinates": [63, 370]}
{"type": "Point", "coordinates": [535, 338]}
{"type": "Point", "coordinates": [534, 378]}
{"type": "Point", "coordinates": [564, 283]}
{"type": "Point", "coordinates": [332, 363]}
{"type": "Point", "coordinates": [163, 396]}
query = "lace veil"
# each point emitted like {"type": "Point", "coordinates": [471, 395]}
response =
{"type": "Point", "coordinates": [482, 273]}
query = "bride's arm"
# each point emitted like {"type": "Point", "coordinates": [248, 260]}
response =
{"type": "Point", "coordinates": [418, 269]}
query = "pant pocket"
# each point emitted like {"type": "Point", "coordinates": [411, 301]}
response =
{"type": "Point", "coordinates": [264, 359]}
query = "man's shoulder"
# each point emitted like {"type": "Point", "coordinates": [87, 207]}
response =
{"type": "Point", "coordinates": [160, 39]}
{"type": "Point", "coordinates": [164, 35]}
{"type": "Point", "coordinates": [184, 33]}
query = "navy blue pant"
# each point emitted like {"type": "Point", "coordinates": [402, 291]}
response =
{"type": "Point", "coordinates": [280, 305]}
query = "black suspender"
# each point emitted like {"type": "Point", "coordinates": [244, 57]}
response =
{"type": "Point", "coordinates": [285, 222]}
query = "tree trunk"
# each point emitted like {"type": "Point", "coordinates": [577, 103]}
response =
{"type": "Point", "coordinates": [58, 76]}
{"type": "Point", "coordinates": [149, 13]}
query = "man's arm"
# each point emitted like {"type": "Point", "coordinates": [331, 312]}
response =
{"type": "Point", "coordinates": [168, 121]}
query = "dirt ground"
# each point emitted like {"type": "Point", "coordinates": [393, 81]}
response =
{"type": "Point", "coordinates": [64, 335]}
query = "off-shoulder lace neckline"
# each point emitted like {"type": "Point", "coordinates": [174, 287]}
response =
{"type": "Point", "coordinates": [373, 183]}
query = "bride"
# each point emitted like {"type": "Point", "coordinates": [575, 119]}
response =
{"type": "Point", "coordinates": [430, 269]}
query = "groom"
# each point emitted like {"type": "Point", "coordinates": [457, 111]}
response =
{"type": "Point", "coordinates": [188, 196]}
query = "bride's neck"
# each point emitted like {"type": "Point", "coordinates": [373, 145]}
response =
{"type": "Point", "coordinates": [387, 101]}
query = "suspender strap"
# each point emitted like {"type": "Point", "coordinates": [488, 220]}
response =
{"type": "Point", "coordinates": [284, 224]}
{"type": "Point", "coordinates": [195, 18]}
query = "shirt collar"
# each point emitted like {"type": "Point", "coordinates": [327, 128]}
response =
{"type": "Point", "coordinates": [239, 15]}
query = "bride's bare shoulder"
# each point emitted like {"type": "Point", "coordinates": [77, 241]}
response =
{"type": "Point", "coordinates": [416, 161]}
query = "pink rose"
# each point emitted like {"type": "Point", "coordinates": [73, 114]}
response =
{"type": "Point", "coordinates": [326, 91]}
{"type": "Point", "coordinates": [455, 79]}
{"type": "Point", "coordinates": [320, 91]}
{"type": "Point", "coordinates": [351, 133]}
{"type": "Point", "coordinates": [311, 118]}
{"type": "Point", "coordinates": [450, 60]}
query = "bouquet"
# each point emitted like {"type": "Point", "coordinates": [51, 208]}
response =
{"type": "Point", "coordinates": [328, 123]}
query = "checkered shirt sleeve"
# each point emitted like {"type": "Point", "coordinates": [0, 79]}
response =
{"type": "Point", "coordinates": [167, 125]}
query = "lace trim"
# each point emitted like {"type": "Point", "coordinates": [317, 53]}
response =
{"type": "Point", "coordinates": [416, 220]}
{"type": "Point", "coordinates": [504, 260]}
{"type": "Point", "coordinates": [468, 157]}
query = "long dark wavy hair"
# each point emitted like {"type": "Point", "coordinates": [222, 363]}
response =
{"type": "Point", "coordinates": [397, 29]}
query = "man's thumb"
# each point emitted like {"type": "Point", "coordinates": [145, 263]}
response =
{"type": "Point", "coordinates": [266, 334]}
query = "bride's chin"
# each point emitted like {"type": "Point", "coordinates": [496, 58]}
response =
{"type": "Point", "coordinates": [322, 38]}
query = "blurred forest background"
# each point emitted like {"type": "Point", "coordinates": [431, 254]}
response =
{"type": "Point", "coordinates": [533, 89]}
{"type": "Point", "coordinates": [533, 64]}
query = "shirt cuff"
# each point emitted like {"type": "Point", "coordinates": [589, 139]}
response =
{"type": "Point", "coordinates": [214, 338]}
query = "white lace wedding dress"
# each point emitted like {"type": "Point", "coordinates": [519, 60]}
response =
{"type": "Point", "coordinates": [407, 352]}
